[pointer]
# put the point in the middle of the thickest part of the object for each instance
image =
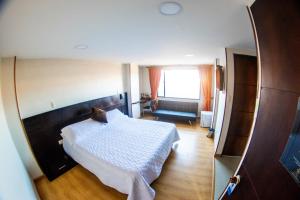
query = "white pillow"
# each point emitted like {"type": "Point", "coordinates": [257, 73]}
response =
{"type": "Point", "coordinates": [113, 115]}
{"type": "Point", "coordinates": [75, 132]}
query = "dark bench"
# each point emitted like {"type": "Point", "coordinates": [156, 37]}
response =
{"type": "Point", "coordinates": [177, 110]}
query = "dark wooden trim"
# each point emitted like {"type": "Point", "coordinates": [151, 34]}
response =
{"type": "Point", "coordinates": [15, 90]}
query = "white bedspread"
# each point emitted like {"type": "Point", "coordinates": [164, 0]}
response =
{"type": "Point", "coordinates": [126, 154]}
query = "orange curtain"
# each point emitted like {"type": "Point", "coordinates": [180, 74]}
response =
{"type": "Point", "coordinates": [205, 73]}
{"type": "Point", "coordinates": [154, 77]}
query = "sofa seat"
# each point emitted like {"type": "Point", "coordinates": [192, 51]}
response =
{"type": "Point", "coordinates": [175, 114]}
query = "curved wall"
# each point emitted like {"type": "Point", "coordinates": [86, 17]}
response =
{"type": "Point", "coordinates": [15, 182]}
{"type": "Point", "coordinates": [278, 31]}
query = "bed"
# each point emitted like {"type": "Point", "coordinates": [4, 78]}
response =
{"type": "Point", "coordinates": [126, 154]}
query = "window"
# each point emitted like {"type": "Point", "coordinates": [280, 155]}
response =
{"type": "Point", "coordinates": [179, 83]}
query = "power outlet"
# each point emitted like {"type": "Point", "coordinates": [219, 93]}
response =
{"type": "Point", "coordinates": [60, 142]}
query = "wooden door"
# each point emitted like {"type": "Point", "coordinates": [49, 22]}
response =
{"type": "Point", "coordinates": [243, 105]}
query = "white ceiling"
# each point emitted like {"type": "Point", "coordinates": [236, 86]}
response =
{"type": "Point", "coordinates": [124, 30]}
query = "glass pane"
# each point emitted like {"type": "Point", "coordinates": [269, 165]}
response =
{"type": "Point", "coordinates": [182, 84]}
{"type": "Point", "coordinates": [291, 155]}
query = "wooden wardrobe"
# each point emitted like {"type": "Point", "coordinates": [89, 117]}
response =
{"type": "Point", "coordinates": [278, 35]}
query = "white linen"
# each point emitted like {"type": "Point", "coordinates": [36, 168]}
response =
{"type": "Point", "coordinates": [114, 115]}
{"type": "Point", "coordinates": [126, 154]}
{"type": "Point", "coordinates": [75, 132]}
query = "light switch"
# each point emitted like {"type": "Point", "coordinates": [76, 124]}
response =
{"type": "Point", "coordinates": [52, 104]}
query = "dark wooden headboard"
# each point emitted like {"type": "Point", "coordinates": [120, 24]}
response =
{"type": "Point", "coordinates": [43, 131]}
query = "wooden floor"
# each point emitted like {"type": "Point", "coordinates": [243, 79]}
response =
{"type": "Point", "coordinates": [186, 175]}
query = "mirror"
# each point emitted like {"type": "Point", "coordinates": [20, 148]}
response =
{"type": "Point", "coordinates": [146, 33]}
{"type": "Point", "coordinates": [290, 158]}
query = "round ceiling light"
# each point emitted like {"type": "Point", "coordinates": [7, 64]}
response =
{"type": "Point", "coordinates": [81, 46]}
{"type": "Point", "coordinates": [170, 8]}
{"type": "Point", "coordinates": [189, 55]}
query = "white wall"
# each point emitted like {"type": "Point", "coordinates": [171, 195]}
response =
{"type": "Point", "coordinates": [43, 82]}
{"type": "Point", "coordinates": [135, 90]}
{"type": "Point", "coordinates": [221, 102]}
{"type": "Point", "coordinates": [250, 2]}
{"type": "Point", "coordinates": [219, 118]}
{"type": "Point", "coordinates": [47, 84]}
{"type": "Point", "coordinates": [17, 133]}
{"type": "Point", "coordinates": [15, 183]}
{"type": "Point", "coordinates": [144, 80]}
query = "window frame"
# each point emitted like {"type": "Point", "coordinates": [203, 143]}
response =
{"type": "Point", "coordinates": [165, 97]}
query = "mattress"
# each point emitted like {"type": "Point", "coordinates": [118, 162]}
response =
{"type": "Point", "coordinates": [126, 154]}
